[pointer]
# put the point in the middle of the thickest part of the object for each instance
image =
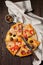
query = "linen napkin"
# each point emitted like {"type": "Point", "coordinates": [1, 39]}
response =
{"type": "Point", "coordinates": [23, 9]}
{"type": "Point", "coordinates": [12, 9]}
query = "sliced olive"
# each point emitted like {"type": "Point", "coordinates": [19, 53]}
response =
{"type": "Point", "coordinates": [10, 34]}
{"type": "Point", "coordinates": [31, 41]}
{"type": "Point", "coordinates": [14, 35]}
{"type": "Point", "coordinates": [11, 39]}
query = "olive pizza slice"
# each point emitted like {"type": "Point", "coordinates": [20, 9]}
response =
{"type": "Point", "coordinates": [33, 43]}
{"type": "Point", "coordinates": [10, 35]}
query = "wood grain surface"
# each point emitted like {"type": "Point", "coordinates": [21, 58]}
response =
{"type": "Point", "coordinates": [5, 57]}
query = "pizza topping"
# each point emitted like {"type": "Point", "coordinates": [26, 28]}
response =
{"type": "Point", "coordinates": [16, 40]}
{"type": "Point", "coordinates": [31, 41]}
{"type": "Point", "coordinates": [10, 34]}
{"type": "Point", "coordinates": [26, 31]}
{"type": "Point", "coordinates": [25, 36]}
{"type": "Point", "coordinates": [24, 46]}
{"type": "Point", "coordinates": [23, 52]}
{"type": "Point", "coordinates": [14, 35]}
{"type": "Point", "coordinates": [28, 51]}
{"type": "Point", "coordinates": [11, 39]}
{"type": "Point", "coordinates": [16, 47]}
{"type": "Point", "coordinates": [19, 42]}
{"type": "Point", "coordinates": [9, 45]}
{"type": "Point", "coordinates": [31, 31]}
{"type": "Point", "coordinates": [15, 28]}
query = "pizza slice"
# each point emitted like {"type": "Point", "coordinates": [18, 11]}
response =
{"type": "Point", "coordinates": [33, 43]}
{"type": "Point", "coordinates": [14, 31]}
{"type": "Point", "coordinates": [14, 44]}
{"type": "Point", "coordinates": [18, 28]}
{"type": "Point", "coordinates": [10, 36]}
{"type": "Point", "coordinates": [12, 47]}
{"type": "Point", "coordinates": [24, 51]}
{"type": "Point", "coordinates": [28, 31]}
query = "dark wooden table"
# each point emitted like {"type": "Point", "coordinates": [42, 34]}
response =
{"type": "Point", "coordinates": [5, 57]}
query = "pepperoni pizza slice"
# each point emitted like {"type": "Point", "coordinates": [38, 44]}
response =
{"type": "Point", "coordinates": [28, 31]}
{"type": "Point", "coordinates": [24, 51]}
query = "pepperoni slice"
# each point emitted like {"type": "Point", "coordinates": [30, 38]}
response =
{"type": "Point", "coordinates": [15, 28]}
{"type": "Point", "coordinates": [25, 36]}
{"type": "Point", "coordinates": [24, 46]}
{"type": "Point", "coordinates": [26, 31]}
{"type": "Point", "coordinates": [28, 51]}
{"type": "Point", "coordinates": [16, 47]}
{"type": "Point", "coordinates": [31, 31]}
{"type": "Point", "coordinates": [23, 52]}
{"type": "Point", "coordinates": [19, 42]}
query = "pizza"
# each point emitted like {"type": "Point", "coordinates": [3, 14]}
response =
{"type": "Point", "coordinates": [16, 45]}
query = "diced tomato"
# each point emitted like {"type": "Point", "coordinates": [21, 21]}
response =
{"type": "Point", "coordinates": [23, 52]}
{"type": "Point", "coordinates": [24, 46]}
{"type": "Point", "coordinates": [16, 47]}
{"type": "Point", "coordinates": [15, 28]}
{"type": "Point", "coordinates": [25, 36]}
{"type": "Point", "coordinates": [26, 31]}
{"type": "Point", "coordinates": [31, 31]}
{"type": "Point", "coordinates": [20, 42]}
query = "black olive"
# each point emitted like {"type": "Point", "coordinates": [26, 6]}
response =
{"type": "Point", "coordinates": [31, 41]}
{"type": "Point", "coordinates": [10, 34]}
{"type": "Point", "coordinates": [14, 35]}
{"type": "Point", "coordinates": [11, 39]}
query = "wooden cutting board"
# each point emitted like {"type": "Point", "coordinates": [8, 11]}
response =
{"type": "Point", "coordinates": [6, 57]}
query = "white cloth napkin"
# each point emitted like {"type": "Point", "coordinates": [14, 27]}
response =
{"type": "Point", "coordinates": [15, 10]}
